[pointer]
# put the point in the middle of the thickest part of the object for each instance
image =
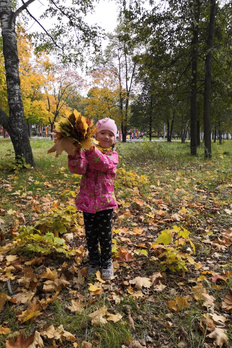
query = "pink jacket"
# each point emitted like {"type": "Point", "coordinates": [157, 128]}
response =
{"type": "Point", "coordinates": [98, 172]}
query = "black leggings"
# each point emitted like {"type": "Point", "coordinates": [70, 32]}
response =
{"type": "Point", "coordinates": [98, 230]}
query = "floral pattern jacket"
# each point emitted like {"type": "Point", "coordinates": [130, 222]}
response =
{"type": "Point", "coordinates": [98, 172]}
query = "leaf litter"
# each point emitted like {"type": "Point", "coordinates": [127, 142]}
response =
{"type": "Point", "coordinates": [172, 253]}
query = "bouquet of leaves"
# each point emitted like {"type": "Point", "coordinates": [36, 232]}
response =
{"type": "Point", "coordinates": [72, 133]}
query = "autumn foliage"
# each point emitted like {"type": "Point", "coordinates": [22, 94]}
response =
{"type": "Point", "coordinates": [72, 132]}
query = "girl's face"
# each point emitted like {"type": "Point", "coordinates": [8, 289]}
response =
{"type": "Point", "coordinates": [105, 138]}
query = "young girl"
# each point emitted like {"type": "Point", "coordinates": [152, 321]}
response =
{"type": "Point", "coordinates": [96, 198]}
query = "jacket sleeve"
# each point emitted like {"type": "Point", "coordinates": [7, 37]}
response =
{"type": "Point", "coordinates": [102, 162]}
{"type": "Point", "coordinates": [77, 164]}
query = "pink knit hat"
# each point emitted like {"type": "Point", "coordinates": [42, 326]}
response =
{"type": "Point", "coordinates": [106, 124]}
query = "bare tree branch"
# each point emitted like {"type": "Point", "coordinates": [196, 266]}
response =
{"type": "Point", "coordinates": [23, 7]}
{"type": "Point", "coordinates": [47, 33]}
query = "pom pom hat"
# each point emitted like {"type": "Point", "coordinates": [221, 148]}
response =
{"type": "Point", "coordinates": [106, 124]}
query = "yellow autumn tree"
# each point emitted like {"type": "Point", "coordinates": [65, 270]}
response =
{"type": "Point", "coordinates": [32, 80]}
{"type": "Point", "coordinates": [102, 99]}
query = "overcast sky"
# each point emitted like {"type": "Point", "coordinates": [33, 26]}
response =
{"type": "Point", "coordinates": [105, 15]}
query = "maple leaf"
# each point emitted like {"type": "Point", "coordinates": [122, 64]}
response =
{"type": "Point", "coordinates": [4, 330]}
{"type": "Point", "coordinates": [20, 342]}
{"type": "Point", "coordinates": [219, 336]}
{"type": "Point", "coordinates": [24, 297]}
{"type": "Point", "coordinates": [114, 317]}
{"type": "Point", "coordinates": [64, 144]}
{"type": "Point", "coordinates": [165, 237]}
{"type": "Point", "coordinates": [227, 302]}
{"type": "Point", "coordinates": [49, 274]}
{"type": "Point", "coordinates": [218, 276]}
{"type": "Point", "coordinates": [179, 304]}
{"type": "Point", "coordinates": [141, 282]}
{"type": "Point", "coordinates": [58, 334]}
{"type": "Point", "coordinates": [125, 255]}
{"type": "Point", "coordinates": [95, 289]}
{"type": "Point", "coordinates": [76, 306]}
{"type": "Point", "coordinates": [97, 316]}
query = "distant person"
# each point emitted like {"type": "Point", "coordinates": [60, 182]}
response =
{"type": "Point", "coordinates": [96, 198]}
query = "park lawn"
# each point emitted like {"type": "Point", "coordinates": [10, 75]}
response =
{"type": "Point", "coordinates": [172, 251]}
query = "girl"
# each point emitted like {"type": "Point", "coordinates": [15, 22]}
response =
{"type": "Point", "coordinates": [96, 198]}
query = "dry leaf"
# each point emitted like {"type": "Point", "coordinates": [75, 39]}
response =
{"type": "Point", "coordinates": [179, 304]}
{"type": "Point", "coordinates": [24, 297]}
{"type": "Point", "coordinates": [76, 306]}
{"type": "Point", "coordinates": [52, 333]}
{"type": "Point", "coordinates": [114, 317]}
{"type": "Point", "coordinates": [64, 144]}
{"type": "Point", "coordinates": [20, 342]}
{"type": "Point", "coordinates": [227, 302]}
{"type": "Point", "coordinates": [38, 342]}
{"type": "Point", "coordinates": [4, 330]}
{"type": "Point", "coordinates": [141, 282]}
{"type": "Point", "coordinates": [219, 336]}
{"type": "Point", "coordinates": [49, 274]}
{"type": "Point", "coordinates": [131, 322]}
{"type": "Point", "coordinates": [95, 289]}
{"type": "Point", "coordinates": [97, 316]}
{"type": "Point", "coordinates": [85, 344]}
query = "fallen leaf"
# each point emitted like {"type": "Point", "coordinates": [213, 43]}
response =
{"type": "Point", "coordinates": [20, 342]}
{"type": "Point", "coordinates": [179, 304]}
{"type": "Point", "coordinates": [219, 336]}
{"type": "Point", "coordinates": [141, 282]}
{"type": "Point", "coordinates": [76, 306]}
{"type": "Point", "coordinates": [227, 302]}
{"type": "Point", "coordinates": [4, 330]}
{"type": "Point", "coordinates": [114, 317]}
{"type": "Point", "coordinates": [97, 316]}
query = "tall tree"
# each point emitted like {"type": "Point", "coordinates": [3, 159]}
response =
{"type": "Point", "coordinates": [15, 124]}
{"type": "Point", "coordinates": [208, 73]}
{"type": "Point", "coordinates": [69, 37]}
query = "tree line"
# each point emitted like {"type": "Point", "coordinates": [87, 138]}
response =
{"type": "Point", "coordinates": [164, 64]}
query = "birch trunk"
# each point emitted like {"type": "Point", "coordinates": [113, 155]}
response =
{"type": "Point", "coordinates": [14, 123]}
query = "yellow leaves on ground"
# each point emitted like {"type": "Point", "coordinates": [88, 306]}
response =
{"type": "Point", "coordinates": [178, 304]}
{"type": "Point", "coordinates": [76, 307]}
{"type": "Point", "coordinates": [4, 330]}
{"type": "Point", "coordinates": [98, 317]}
{"type": "Point", "coordinates": [73, 132]}
{"type": "Point", "coordinates": [58, 334]}
{"type": "Point", "coordinates": [36, 341]}
{"type": "Point", "coordinates": [201, 294]}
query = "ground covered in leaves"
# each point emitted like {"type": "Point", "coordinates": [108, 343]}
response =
{"type": "Point", "coordinates": [172, 253]}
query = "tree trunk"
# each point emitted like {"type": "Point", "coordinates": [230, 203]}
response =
{"type": "Point", "coordinates": [14, 124]}
{"type": "Point", "coordinates": [219, 133]}
{"type": "Point", "coordinates": [150, 117]}
{"type": "Point", "coordinates": [208, 69]}
{"type": "Point", "coordinates": [193, 97]}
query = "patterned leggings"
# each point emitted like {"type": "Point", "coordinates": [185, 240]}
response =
{"type": "Point", "coordinates": [98, 229]}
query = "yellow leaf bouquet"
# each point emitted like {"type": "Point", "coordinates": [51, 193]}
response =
{"type": "Point", "coordinates": [73, 132]}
